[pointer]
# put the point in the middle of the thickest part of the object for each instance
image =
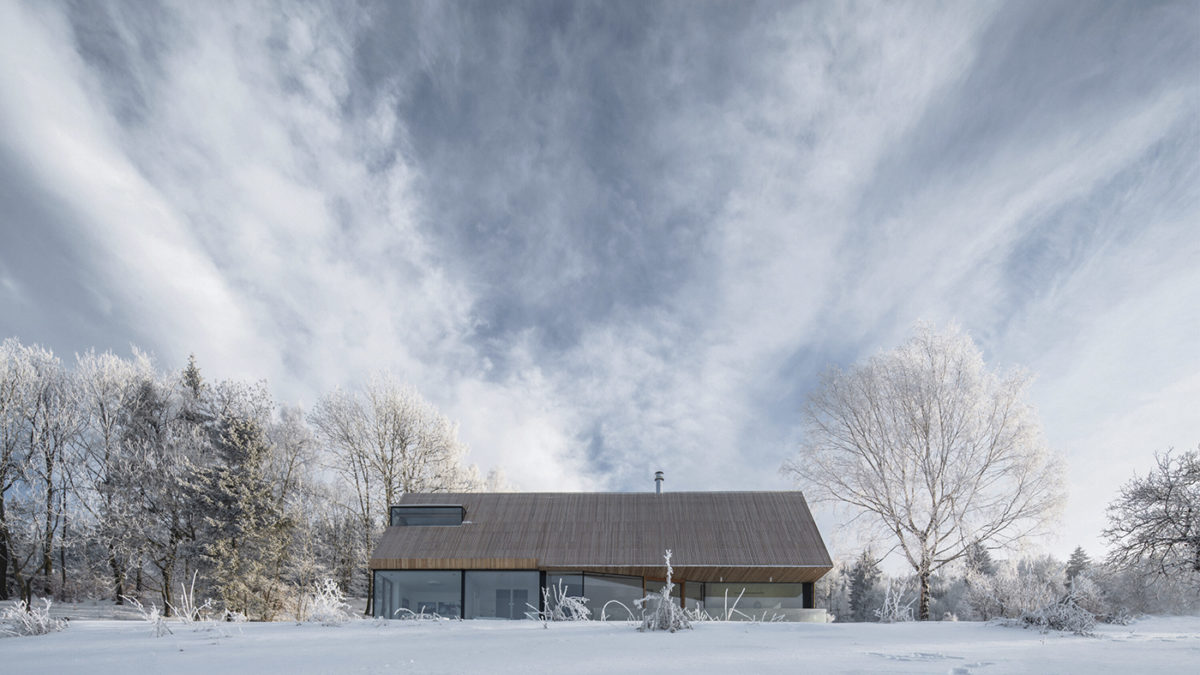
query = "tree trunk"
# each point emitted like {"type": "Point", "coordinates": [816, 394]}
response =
{"type": "Point", "coordinates": [924, 603]}
{"type": "Point", "coordinates": [165, 571]}
{"type": "Point", "coordinates": [48, 546]}
{"type": "Point", "coordinates": [370, 592]}
{"type": "Point", "coordinates": [118, 577]}
{"type": "Point", "coordinates": [24, 587]}
{"type": "Point", "coordinates": [62, 568]}
{"type": "Point", "coordinates": [370, 576]}
{"type": "Point", "coordinates": [4, 555]}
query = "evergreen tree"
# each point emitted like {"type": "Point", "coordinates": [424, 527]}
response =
{"type": "Point", "coordinates": [1077, 564]}
{"type": "Point", "coordinates": [246, 532]}
{"type": "Point", "coordinates": [863, 577]}
{"type": "Point", "coordinates": [979, 560]}
{"type": "Point", "coordinates": [191, 377]}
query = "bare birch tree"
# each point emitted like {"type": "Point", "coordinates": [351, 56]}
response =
{"type": "Point", "coordinates": [35, 519]}
{"type": "Point", "coordinates": [16, 395]}
{"type": "Point", "coordinates": [1155, 522]}
{"type": "Point", "coordinates": [934, 448]}
{"type": "Point", "coordinates": [17, 387]}
{"type": "Point", "coordinates": [388, 441]}
{"type": "Point", "coordinates": [108, 385]}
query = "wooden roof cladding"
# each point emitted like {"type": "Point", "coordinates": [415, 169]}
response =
{"type": "Point", "coordinates": [735, 536]}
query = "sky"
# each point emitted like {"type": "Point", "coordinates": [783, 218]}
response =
{"type": "Point", "coordinates": [615, 237]}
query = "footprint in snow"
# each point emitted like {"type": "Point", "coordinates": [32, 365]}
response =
{"type": "Point", "coordinates": [916, 656]}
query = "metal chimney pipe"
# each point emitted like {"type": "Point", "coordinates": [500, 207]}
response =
{"type": "Point", "coordinates": [658, 480]}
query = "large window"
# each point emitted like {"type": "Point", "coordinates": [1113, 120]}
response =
{"type": "Point", "coordinates": [601, 589]}
{"type": "Point", "coordinates": [654, 592]}
{"type": "Point", "coordinates": [693, 595]}
{"type": "Point", "coordinates": [502, 595]}
{"type": "Point", "coordinates": [427, 515]}
{"type": "Point", "coordinates": [571, 586]}
{"type": "Point", "coordinates": [398, 592]}
{"type": "Point", "coordinates": [758, 601]}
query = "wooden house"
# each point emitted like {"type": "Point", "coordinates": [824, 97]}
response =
{"type": "Point", "coordinates": [488, 555]}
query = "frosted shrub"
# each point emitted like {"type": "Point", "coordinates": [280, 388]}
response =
{"type": "Point", "coordinates": [1089, 596]}
{"type": "Point", "coordinates": [614, 605]}
{"type": "Point", "coordinates": [152, 616]}
{"type": "Point", "coordinates": [326, 605]}
{"type": "Point", "coordinates": [1064, 615]}
{"type": "Point", "coordinates": [560, 606]}
{"type": "Point", "coordinates": [732, 610]}
{"type": "Point", "coordinates": [894, 608]}
{"type": "Point", "coordinates": [405, 614]}
{"type": "Point", "coordinates": [188, 611]}
{"type": "Point", "coordinates": [1015, 589]}
{"type": "Point", "coordinates": [1140, 588]}
{"type": "Point", "coordinates": [23, 619]}
{"type": "Point", "coordinates": [659, 610]}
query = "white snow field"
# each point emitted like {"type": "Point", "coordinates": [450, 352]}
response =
{"type": "Point", "coordinates": [1151, 645]}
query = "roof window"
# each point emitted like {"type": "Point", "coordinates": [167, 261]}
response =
{"type": "Point", "coordinates": [425, 515]}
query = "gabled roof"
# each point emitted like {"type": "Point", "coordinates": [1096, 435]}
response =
{"type": "Point", "coordinates": [734, 536]}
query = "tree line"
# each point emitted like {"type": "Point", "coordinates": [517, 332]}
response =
{"type": "Point", "coordinates": [942, 456]}
{"type": "Point", "coordinates": [978, 587]}
{"type": "Point", "coordinates": [120, 480]}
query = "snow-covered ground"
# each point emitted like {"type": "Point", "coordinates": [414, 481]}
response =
{"type": "Point", "coordinates": [1152, 645]}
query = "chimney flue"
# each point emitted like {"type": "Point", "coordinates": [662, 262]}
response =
{"type": "Point", "coordinates": [658, 480]}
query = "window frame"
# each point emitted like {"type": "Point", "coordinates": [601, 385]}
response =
{"type": "Point", "coordinates": [452, 512]}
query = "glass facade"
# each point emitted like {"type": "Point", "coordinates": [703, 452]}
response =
{"type": "Point", "coordinates": [426, 515]}
{"type": "Point", "coordinates": [693, 595]}
{"type": "Point", "coordinates": [602, 589]}
{"type": "Point", "coordinates": [758, 601]}
{"type": "Point", "coordinates": [654, 591]}
{"type": "Point", "coordinates": [515, 594]}
{"type": "Point", "coordinates": [502, 595]}
{"type": "Point", "coordinates": [418, 591]}
{"type": "Point", "coordinates": [571, 584]}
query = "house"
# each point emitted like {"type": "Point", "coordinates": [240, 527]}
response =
{"type": "Point", "coordinates": [488, 555]}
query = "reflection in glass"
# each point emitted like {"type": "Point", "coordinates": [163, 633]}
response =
{"type": "Point", "coordinates": [693, 594]}
{"type": "Point", "coordinates": [571, 585]}
{"type": "Point", "coordinates": [501, 595]}
{"type": "Point", "coordinates": [426, 515]}
{"type": "Point", "coordinates": [762, 602]}
{"type": "Point", "coordinates": [600, 590]}
{"type": "Point", "coordinates": [654, 592]}
{"type": "Point", "coordinates": [418, 591]}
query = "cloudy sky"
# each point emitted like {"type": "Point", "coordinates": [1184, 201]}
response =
{"type": "Point", "coordinates": [614, 237]}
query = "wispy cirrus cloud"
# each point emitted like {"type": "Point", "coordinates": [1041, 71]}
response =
{"type": "Point", "coordinates": [611, 238]}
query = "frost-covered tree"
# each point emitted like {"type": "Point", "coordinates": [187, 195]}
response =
{"type": "Point", "coordinates": [245, 532]}
{"type": "Point", "coordinates": [293, 458]}
{"type": "Point", "coordinates": [16, 386]}
{"type": "Point", "coordinates": [978, 560]}
{"type": "Point", "coordinates": [107, 387]}
{"type": "Point", "coordinates": [387, 441]}
{"type": "Point", "coordinates": [1015, 588]}
{"type": "Point", "coordinates": [1077, 564]}
{"type": "Point", "coordinates": [1140, 588]}
{"type": "Point", "coordinates": [50, 423]}
{"type": "Point", "coordinates": [156, 470]}
{"type": "Point", "coordinates": [863, 577]}
{"type": "Point", "coordinates": [117, 479]}
{"type": "Point", "coordinates": [1156, 519]}
{"type": "Point", "coordinates": [938, 450]}
{"type": "Point", "coordinates": [303, 499]}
